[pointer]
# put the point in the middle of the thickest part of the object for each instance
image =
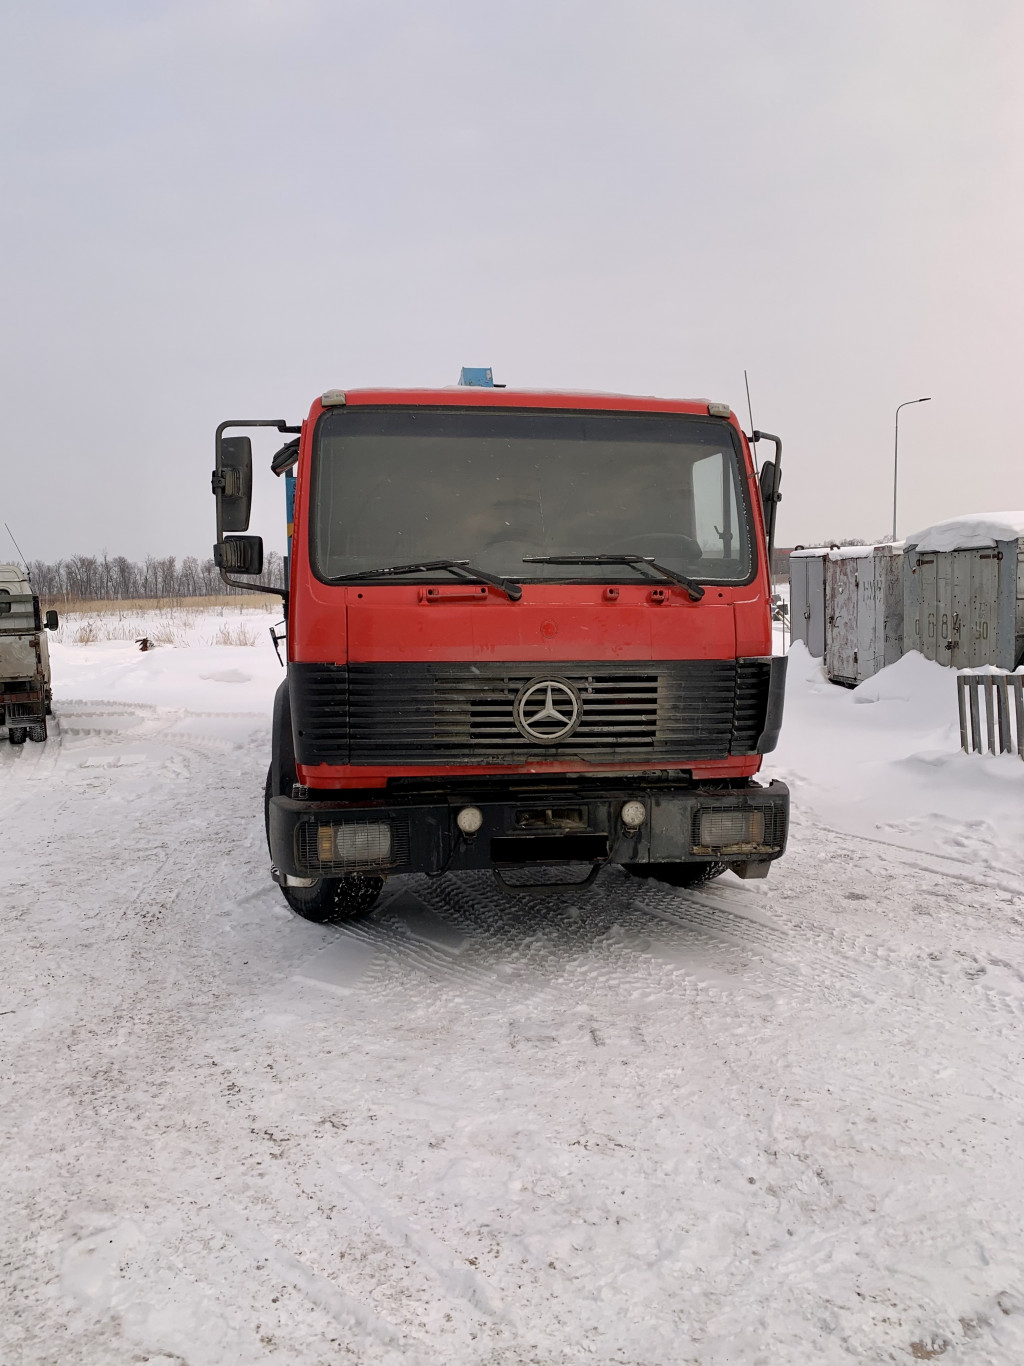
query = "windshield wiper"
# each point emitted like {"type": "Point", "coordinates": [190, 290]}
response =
{"type": "Point", "coordinates": [692, 587]}
{"type": "Point", "coordinates": [461, 568]}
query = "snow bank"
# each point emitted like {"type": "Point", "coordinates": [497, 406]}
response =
{"type": "Point", "coordinates": [884, 759]}
{"type": "Point", "coordinates": [192, 674]}
{"type": "Point", "coordinates": [975, 531]}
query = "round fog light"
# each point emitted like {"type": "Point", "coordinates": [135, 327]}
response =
{"type": "Point", "coordinates": [633, 814]}
{"type": "Point", "coordinates": [469, 820]}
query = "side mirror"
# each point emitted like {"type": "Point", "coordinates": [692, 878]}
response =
{"type": "Point", "coordinates": [239, 554]}
{"type": "Point", "coordinates": [769, 496]}
{"type": "Point", "coordinates": [232, 482]}
{"type": "Point", "coordinates": [50, 620]}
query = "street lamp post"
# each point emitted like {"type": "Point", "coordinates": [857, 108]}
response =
{"type": "Point", "coordinates": [896, 458]}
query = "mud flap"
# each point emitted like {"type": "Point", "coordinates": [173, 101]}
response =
{"type": "Point", "coordinates": [752, 868]}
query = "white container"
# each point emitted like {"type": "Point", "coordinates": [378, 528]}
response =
{"type": "Point", "coordinates": [864, 611]}
{"type": "Point", "coordinates": [964, 591]}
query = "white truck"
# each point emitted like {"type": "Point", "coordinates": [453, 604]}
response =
{"type": "Point", "coordinates": [24, 658]}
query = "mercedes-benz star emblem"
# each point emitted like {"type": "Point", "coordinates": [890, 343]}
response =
{"type": "Point", "coordinates": [547, 710]}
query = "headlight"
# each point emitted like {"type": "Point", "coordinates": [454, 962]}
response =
{"type": "Point", "coordinates": [469, 820]}
{"type": "Point", "coordinates": [633, 814]}
{"type": "Point", "coordinates": [723, 829]}
{"type": "Point", "coordinates": [365, 844]}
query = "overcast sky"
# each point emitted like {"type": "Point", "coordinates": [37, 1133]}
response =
{"type": "Point", "coordinates": [218, 209]}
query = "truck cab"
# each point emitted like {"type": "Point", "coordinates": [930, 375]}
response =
{"type": "Point", "coordinates": [24, 658]}
{"type": "Point", "coordinates": [525, 630]}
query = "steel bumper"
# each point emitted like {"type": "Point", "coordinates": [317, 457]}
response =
{"type": "Point", "coordinates": [418, 835]}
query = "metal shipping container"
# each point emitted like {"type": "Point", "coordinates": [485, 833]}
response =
{"type": "Point", "coordinates": [807, 599]}
{"type": "Point", "coordinates": [965, 608]}
{"type": "Point", "coordinates": [864, 611]}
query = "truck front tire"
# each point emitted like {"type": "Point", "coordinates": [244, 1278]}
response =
{"type": "Point", "coordinates": [335, 900]}
{"type": "Point", "coordinates": [330, 900]}
{"type": "Point", "coordinates": [677, 874]}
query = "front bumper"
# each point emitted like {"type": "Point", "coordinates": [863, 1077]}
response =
{"type": "Point", "coordinates": [534, 828]}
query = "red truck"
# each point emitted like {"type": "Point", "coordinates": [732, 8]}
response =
{"type": "Point", "coordinates": [525, 630]}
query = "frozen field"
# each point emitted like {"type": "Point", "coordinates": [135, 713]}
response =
{"type": "Point", "coordinates": [769, 1123]}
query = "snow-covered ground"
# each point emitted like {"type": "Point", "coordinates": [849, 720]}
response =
{"type": "Point", "coordinates": [767, 1122]}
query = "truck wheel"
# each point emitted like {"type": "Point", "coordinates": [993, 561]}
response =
{"type": "Point", "coordinates": [330, 900]}
{"type": "Point", "coordinates": [37, 732]}
{"type": "Point", "coordinates": [677, 874]}
{"type": "Point", "coordinates": [17, 735]}
{"type": "Point", "coordinates": [334, 900]}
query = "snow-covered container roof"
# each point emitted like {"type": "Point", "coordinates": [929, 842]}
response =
{"type": "Point", "coordinates": [851, 552]}
{"type": "Point", "coordinates": [975, 531]}
{"type": "Point", "coordinates": [846, 552]}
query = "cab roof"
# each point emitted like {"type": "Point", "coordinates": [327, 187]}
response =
{"type": "Point", "coordinates": [464, 396]}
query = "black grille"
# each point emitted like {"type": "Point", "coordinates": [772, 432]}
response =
{"type": "Point", "coordinates": [319, 698]}
{"type": "Point", "coordinates": [461, 713]}
{"type": "Point", "coordinates": [619, 709]}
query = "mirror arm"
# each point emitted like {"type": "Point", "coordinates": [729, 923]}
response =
{"type": "Point", "coordinates": [774, 497]}
{"type": "Point", "coordinates": [255, 587]}
{"type": "Point", "coordinates": [218, 483]}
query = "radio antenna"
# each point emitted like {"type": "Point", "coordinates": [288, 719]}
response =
{"type": "Point", "coordinates": [16, 546]}
{"type": "Point", "coordinates": [750, 413]}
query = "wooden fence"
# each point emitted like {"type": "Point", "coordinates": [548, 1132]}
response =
{"type": "Point", "coordinates": [991, 712]}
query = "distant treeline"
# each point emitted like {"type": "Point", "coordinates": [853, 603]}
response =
{"type": "Point", "coordinates": [98, 578]}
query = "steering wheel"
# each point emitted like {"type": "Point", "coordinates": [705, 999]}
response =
{"type": "Point", "coordinates": [667, 545]}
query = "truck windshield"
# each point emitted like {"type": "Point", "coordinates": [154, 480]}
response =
{"type": "Point", "coordinates": [501, 485]}
{"type": "Point", "coordinates": [17, 612]}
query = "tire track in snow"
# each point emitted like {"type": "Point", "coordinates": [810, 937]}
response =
{"type": "Point", "coordinates": [346, 1309]}
{"type": "Point", "coordinates": [1012, 888]}
{"type": "Point", "coordinates": [400, 1236]}
{"type": "Point", "coordinates": [457, 1278]}
{"type": "Point", "coordinates": [745, 953]}
{"type": "Point", "coordinates": [840, 962]}
{"type": "Point", "coordinates": [629, 942]}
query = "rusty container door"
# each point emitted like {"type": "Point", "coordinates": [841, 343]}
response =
{"type": "Point", "coordinates": [943, 606]}
{"type": "Point", "coordinates": [869, 617]}
{"type": "Point", "coordinates": [842, 597]}
{"type": "Point", "coordinates": [890, 564]}
{"type": "Point", "coordinates": [957, 629]}
{"type": "Point", "coordinates": [920, 605]}
{"type": "Point", "coordinates": [976, 640]}
{"type": "Point", "coordinates": [960, 606]}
